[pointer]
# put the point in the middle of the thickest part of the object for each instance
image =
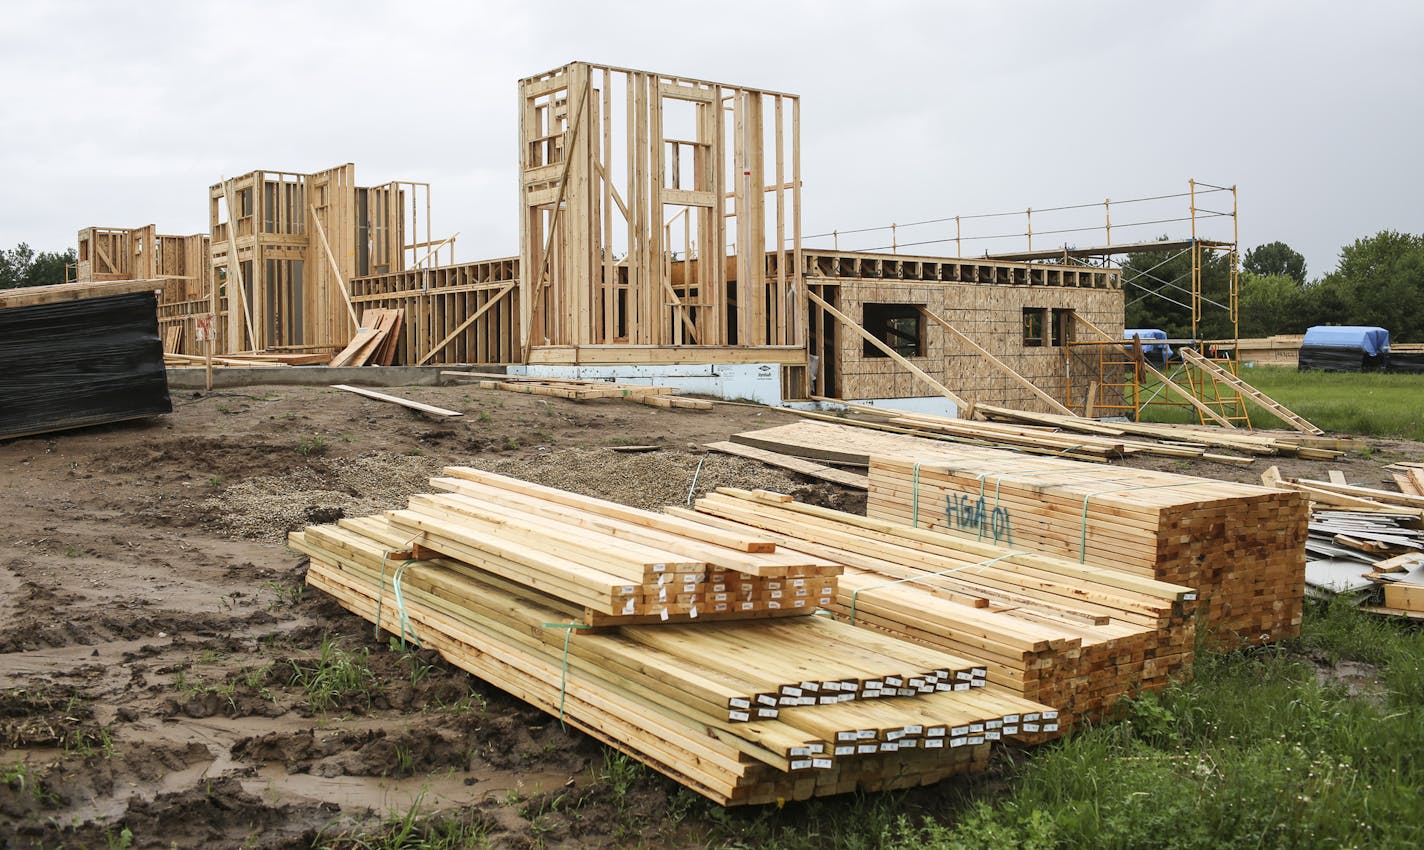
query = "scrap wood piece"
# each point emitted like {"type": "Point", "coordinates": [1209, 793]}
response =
{"type": "Point", "coordinates": [795, 464]}
{"type": "Point", "coordinates": [403, 402]}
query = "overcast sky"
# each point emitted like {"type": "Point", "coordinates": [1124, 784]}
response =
{"type": "Point", "coordinates": [122, 114]}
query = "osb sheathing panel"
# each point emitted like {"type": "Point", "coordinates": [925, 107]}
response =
{"type": "Point", "coordinates": [991, 315]}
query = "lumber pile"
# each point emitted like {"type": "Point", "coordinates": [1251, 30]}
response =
{"type": "Point", "coordinates": [581, 390]}
{"type": "Point", "coordinates": [1408, 477]}
{"type": "Point", "coordinates": [1338, 494]}
{"type": "Point", "coordinates": [1172, 440]}
{"type": "Point", "coordinates": [1077, 636]}
{"type": "Point", "coordinates": [374, 343]}
{"type": "Point", "coordinates": [1241, 546]}
{"type": "Point", "coordinates": [606, 617]}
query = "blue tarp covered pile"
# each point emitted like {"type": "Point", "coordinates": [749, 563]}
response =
{"type": "Point", "coordinates": [1159, 352]}
{"type": "Point", "coordinates": [1344, 348]}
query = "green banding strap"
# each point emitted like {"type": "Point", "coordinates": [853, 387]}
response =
{"type": "Point", "coordinates": [1083, 520]}
{"type": "Point", "coordinates": [982, 565]}
{"type": "Point", "coordinates": [564, 674]}
{"type": "Point", "coordinates": [914, 500]}
{"type": "Point", "coordinates": [405, 627]}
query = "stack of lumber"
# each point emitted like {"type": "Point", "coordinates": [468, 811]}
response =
{"type": "Point", "coordinates": [581, 390]}
{"type": "Point", "coordinates": [740, 710]}
{"type": "Point", "coordinates": [1077, 636]}
{"type": "Point", "coordinates": [374, 343]}
{"type": "Point", "coordinates": [1241, 546]}
{"type": "Point", "coordinates": [248, 360]}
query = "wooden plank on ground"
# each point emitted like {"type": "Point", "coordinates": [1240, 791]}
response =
{"type": "Point", "coordinates": [805, 467]}
{"type": "Point", "coordinates": [403, 402]}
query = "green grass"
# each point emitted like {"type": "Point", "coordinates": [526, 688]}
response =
{"type": "Point", "coordinates": [1363, 404]}
{"type": "Point", "coordinates": [334, 675]}
{"type": "Point", "coordinates": [1255, 752]}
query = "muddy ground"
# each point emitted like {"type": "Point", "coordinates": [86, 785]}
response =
{"type": "Point", "coordinates": [165, 678]}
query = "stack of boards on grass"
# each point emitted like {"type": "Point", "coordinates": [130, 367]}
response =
{"type": "Point", "coordinates": [1241, 546]}
{"type": "Point", "coordinates": [1076, 636]}
{"type": "Point", "coordinates": [374, 343]}
{"type": "Point", "coordinates": [80, 354]}
{"type": "Point", "coordinates": [687, 646]}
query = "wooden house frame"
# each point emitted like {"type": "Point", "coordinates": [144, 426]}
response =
{"type": "Point", "coordinates": [660, 226]}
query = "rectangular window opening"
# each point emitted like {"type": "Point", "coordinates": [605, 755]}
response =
{"type": "Point", "coordinates": [1062, 332]}
{"type": "Point", "coordinates": [900, 326]}
{"type": "Point", "coordinates": [1035, 320]}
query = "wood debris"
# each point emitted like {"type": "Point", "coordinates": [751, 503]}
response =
{"type": "Point", "coordinates": [581, 390]}
{"type": "Point", "coordinates": [374, 343]}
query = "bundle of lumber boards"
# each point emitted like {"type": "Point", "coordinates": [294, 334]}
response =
{"type": "Point", "coordinates": [1242, 547]}
{"type": "Point", "coordinates": [1077, 636]}
{"type": "Point", "coordinates": [523, 585]}
{"type": "Point", "coordinates": [374, 343]}
{"type": "Point", "coordinates": [249, 361]}
{"type": "Point", "coordinates": [581, 390]}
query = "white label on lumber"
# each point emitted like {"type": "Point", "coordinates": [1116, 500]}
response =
{"type": "Point", "coordinates": [956, 742]}
{"type": "Point", "coordinates": [810, 686]}
{"type": "Point", "coordinates": [993, 724]}
{"type": "Point", "coordinates": [1050, 727]}
{"type": "Point", "coordinates": [1011, 718]}
{"type": "Point", "coordinates": [1030, 727]}
{"type": "Point", "coordinates": [1011, 730]}
{"type": "Point", "coordinates": [665, 614]}
{"type": "Point", "coordinates": [976, 739]}
{"type": "Point", "coordinates": [867, 749]}
{"type": "Point", "coordinates": [659, 568]}
{"type": "Point", "coordinates": [935, 732]}
{"type": "Point", "coordinates": [1050, 715]}
{"type": "Point", "coordinates": [961, 686]}
{"type": "Point", "coordinates": [976, 727]}
{"type": "Point", "coordinates": [845, 751]}
{"type": "Point", "coordinates": [894, 680]}
{"type": "Point", "coordinates": [992, 735]}
{"type": "Point", "coordinates": [866, 734]}
{"type": "Point", "coordinates": [801, 764]}
{"type": "Point", "coordinates": [1189, 597]}
{"type": "Point", "coordinates": [738, 702]}
{"type": "Point", "coordinates": [766, 699]}
{"type": "Point", "coordinates": [934, 743]}
{"type": "Point", "coordinates": [847, 736]}
{"type": "Point", "coordinates": [894, 734]}
{"type": "Point", "coordinates": [959, 730]}
{"type": "Point", "coordinates": [791, 690]}
{"type": "Point", "coordinates": [889, 747]}
{"type": "Point", "coordinates": [909, 743]}
{"type": "Point", "coordinates": [964, 676]}
{"type": "Point", "coordinates": [821, 764]}
{"type": "Point", "coordinates": [739, 716]}
{"type": "Point", "coordinates": [767, 713]}
{"type": "Point", "coordinates": [1032, 715]}
{"type": "Point", "coordinates": [797, 752]}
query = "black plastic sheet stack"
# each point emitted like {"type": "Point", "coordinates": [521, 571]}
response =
{"type": "Point", "coordinates": [79, 363]}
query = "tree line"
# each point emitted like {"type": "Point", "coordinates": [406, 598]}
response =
{"type": "Point", "coordinates": [22, 266]}
{"type": "Point", "coordinates": [1378, 280]}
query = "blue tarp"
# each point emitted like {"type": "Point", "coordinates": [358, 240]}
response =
{"type": "Point", "coordinates": [1161, 350]}
{"type": "Point", "coordinates": [1372, 341]}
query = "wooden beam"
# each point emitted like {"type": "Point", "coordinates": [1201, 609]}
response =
{"type": "Point", "coordinates": [1001, 365]}
{"type": "Point", "coordinates": [850, 323]}
{"type": "Point", "coordinates": [335, 269]}
{"type": "Point", "coordinates": [234, 265]}
{"type": "Point", "coordinates": [403, 402]}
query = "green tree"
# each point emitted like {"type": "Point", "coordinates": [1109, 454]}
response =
{"type": "Point", "coordinates": [1275, 258]}
{"type": "Point", "coordinates": [21, 266]}
{"type": "Point", "coordinates": [1273, 304]}
{"type": "Point", "coordinates": [1379, 281]}
{"type": "Point", "coordinates": [1158, 286]}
